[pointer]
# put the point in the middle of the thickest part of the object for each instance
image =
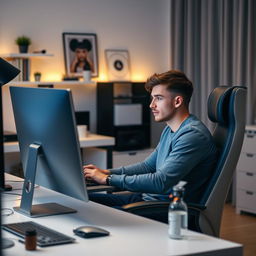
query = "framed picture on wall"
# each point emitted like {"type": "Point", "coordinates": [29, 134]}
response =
{"type": "Point", "coordinates": [118, 65]}
{"type": "Point", "coordinates": [80, 51]}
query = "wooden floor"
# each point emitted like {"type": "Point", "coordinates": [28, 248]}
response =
{"type": "Point", "coordinates": [239, 228]}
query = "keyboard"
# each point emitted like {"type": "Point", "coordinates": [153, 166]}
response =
{"type": "Point", "coordinates": [45, 236]}
{"type": "Point", "coordinates": [90, 183]}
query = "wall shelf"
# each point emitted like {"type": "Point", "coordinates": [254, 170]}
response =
{"type": "Point", "coordinates": [21, 83]}
{"type": "Point", "coordinates": [25, 55]}
{"type": "Point", "coordinates": [29, 56]}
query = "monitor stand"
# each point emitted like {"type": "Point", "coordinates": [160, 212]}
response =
{"type": "Point", "coordinates": [26, 206]}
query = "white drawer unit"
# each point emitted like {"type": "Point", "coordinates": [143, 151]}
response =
{"type": "Point", "coordinates": [122, 158]}
{"type": "Point", "coordinates": [247, 201]}
{"type": "Point", "coordinates": [246, 173]}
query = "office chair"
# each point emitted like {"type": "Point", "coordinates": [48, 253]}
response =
{"type": "Point", "coordinates": [226, 108]}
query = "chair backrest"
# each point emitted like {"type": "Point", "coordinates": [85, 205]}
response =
{"type": "Point", "coordinates": [226, 108]}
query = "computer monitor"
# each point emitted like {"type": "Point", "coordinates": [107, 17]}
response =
{"type": "Point", "coordinates": [49, 147]}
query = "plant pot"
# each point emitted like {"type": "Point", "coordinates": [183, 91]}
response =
{"type": "Point", "coordinates": [23, 48]}
{"type": "Point", "coordinates": [37, 78]}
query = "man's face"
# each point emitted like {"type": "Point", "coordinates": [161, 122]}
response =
{"type": "Point", "coordinates": [162, 104]}
{"type": "Point", "coordinates": [81, 54]}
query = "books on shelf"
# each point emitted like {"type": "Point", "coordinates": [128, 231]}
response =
{"type": "Point", "coordinates": [24, 66]}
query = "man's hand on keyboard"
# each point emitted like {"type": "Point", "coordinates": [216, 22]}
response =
{"type": "Point", "coordinates": [92, 172]}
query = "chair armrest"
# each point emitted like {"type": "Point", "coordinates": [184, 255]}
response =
{"type": "Point", "coordinates": [196, 207]}
{"type": "Point", "coordinates": [145, 205]}
{"type": "Point", "coordinates": [157, 210]}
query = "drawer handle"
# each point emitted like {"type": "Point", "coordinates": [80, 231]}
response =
{"type": "Point", "coordinates": [249, 174]}
{"type": "Point", "coordinates": [249, 193]}
{"type": "Point", "coordinates": [132, 153]}
{"type": "Point", "coordinates": [249, 155]}
{"type": "Point", "coordinates": [250, 136]}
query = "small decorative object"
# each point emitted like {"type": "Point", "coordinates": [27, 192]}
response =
{"type": "Point", "coordinates": [40, 51]}
{"type": "Point", "coordinates": [70, 78]}
{"type": "Point", "coordinates": [37, 76]}
{"type": "Point", "coordinates": [23, 42]}
{"type": "Point", "coordinates": [118, 64]}
{"type": "Point", "coordinates": [80, 52]}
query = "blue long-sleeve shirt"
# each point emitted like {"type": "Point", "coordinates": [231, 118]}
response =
{"type": "Point", "coordinates": [188, 154]}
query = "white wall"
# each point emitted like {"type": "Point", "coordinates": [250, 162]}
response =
{"type": "Point", "coordinates": [140, 26]}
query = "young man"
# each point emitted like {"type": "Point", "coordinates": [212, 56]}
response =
{"type": "Point", "coordinates": [185, 152]}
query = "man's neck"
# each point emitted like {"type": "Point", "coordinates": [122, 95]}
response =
{"type": "Point", "coordinates": [177, 120]}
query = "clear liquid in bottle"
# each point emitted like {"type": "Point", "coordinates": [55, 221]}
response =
{"type": "Point", "coordinates": [178, 214]}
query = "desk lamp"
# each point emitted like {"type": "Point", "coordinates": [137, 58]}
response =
{"type": "Point", "coordinates": [7, 73]}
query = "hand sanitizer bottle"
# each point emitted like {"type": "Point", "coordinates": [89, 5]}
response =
{"type": "Point", "coordinates": [178, 214]}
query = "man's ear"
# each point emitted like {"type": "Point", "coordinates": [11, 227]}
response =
{"type": "Point", "coordinates": [178, 100]}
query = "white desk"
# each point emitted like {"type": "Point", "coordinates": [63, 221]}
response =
{"type": "Point", "coordinates": [92, 140]}
{"type": "Point", "coordinates": [130, 234]}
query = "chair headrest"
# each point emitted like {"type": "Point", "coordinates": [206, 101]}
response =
{"type": "Point", "coordinates": [218, 103]}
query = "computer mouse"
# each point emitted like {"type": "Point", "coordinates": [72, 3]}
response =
{"type": "Point", "coordinates": [90, 232]}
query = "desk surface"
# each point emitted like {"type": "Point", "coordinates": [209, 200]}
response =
{"type": "Point", "coordinates": [92, 140]}
{"type": "Point", "coordinates": [130, 234]}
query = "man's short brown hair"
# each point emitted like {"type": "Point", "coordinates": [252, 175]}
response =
{"type": "Point", "coordinates": [175, 81]}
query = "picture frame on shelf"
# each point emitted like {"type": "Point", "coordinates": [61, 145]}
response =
{"type": "Point", "coordinates": [118, 65]}
{"type": "Point", "coordinates": [81, 53]}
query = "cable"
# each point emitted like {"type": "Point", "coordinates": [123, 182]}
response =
{"type": "Point", "coordinates": [8, 212]}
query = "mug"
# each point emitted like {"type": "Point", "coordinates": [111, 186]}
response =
{"type": "Point", "coordinates": [87, 75]}
{"type": "Point", "coordinates": [82, 131]}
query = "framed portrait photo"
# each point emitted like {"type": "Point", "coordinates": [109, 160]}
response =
{"type": "Point", "coordinates": [118, 65]}
{"type": "Point", "coordinates": [80, 51]}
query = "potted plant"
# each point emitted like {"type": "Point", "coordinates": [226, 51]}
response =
{"type": "Point", "coordinates": [23, 42]}
{"type": "Point", "coordinates": [37, 76]}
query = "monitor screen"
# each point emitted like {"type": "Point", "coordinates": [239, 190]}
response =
{"type": "Point", "coordinates": [49, 145]}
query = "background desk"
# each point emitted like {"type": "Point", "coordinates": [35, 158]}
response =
{"type": "Point", "coordinates": [130, 234]}
{"type": "Point", "coordinates": [91, 141]}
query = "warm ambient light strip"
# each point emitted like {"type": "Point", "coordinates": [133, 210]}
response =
{"type": "Point", "coordinates": [49, 77]}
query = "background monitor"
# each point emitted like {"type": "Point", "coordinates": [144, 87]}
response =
{"type": "Point", "coordinates": [49, 146]}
